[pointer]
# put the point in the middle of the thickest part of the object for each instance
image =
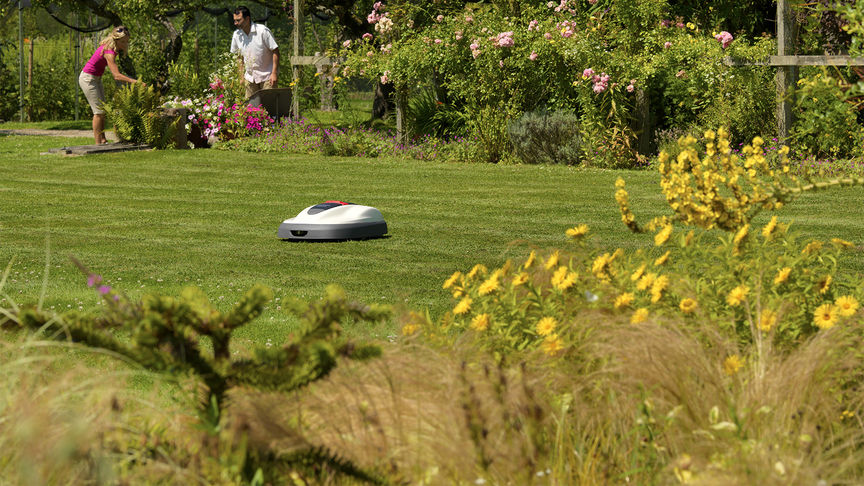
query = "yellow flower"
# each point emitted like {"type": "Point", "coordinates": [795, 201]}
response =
{"type": "Point", "coordinates": [737, 295]}
{"type": "Point", "coordinates": [599, 266]}
{"type": "Point", "coordinates": [646, 281]}
{"type": "Point", "coordinates": [478, 269]}
{"type": "Point", "coordinates": [812, 247]}
{"type": "Point", "coordinates": [824, 284]}
{"type": "Point", "coordinates": [519, 279]}
{"type": "Point", "coordinates": [662, 259]}
{"type": "Point", "coordinates": [663, 235]}
{"type": "Point", "coordinates": [458, 293]}
{"type": "Point", "coordinates": [638, 273]}
{"type": "Point", "coordinates": [768, 230]}
{"type": "Point", "coordinates": [551, 261]}
{"type": "Point", "coordinates": [552, 345]}
{"type": "Point", "coordinates": [657, 288]}
{"type": "Point", "coordinates": [409, 329]}
{"type": "Point", "coordinates": [567, 281]}
{"type": "Point", "coordinates": [639, 316]}
{"type": "Point", "coordinates": [530, 260]}
{"type": "Point", "coordinates": [490, 285]}
{"type": "Point", "coordinates": [688, 305]}
{"type": "Point", "coordinates": [546, 325]}
{"type": "Point", "coordinates": [825, 316]}
{"type": "Point", "coordinates": [558, 276]}
{"type": "Point", "coordinates": [767, 319]}
{"type": "Point", "coordinates": [846, 305]}
{"type": "Point", "coordinates": [450, 281]}
{"type": "Point", "coordinates": [624, 300]}
{"type": "Point", "coordinates": [463, 306]}
{"type": "Point", "coordinates": [741, 234]}
{"type": "Point", "coordinates": [843, 243]}
{"type": "Point", "coordinates": [732, 364]}
{"type": "Point", "coordinates": [689, 238]}
{"type": "Point", "coordinates": [782, 275]}
{"type": "Point", "coordinates": [480, 322]}
{"type": "Point", "coordinates": [578, 231]}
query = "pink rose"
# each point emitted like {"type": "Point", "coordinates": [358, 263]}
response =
{"type": "Point", "coordinates": [347, 43]}
{"type": "Point", "coordinates": [724, 38]}
{"type": "Point", "coordinates": [667, 45]}
{"type": "Point", "coordinates": [533, 56]}
{"type": "Point", "coordinates": [367, 36]}
{"type": "Point", "coordinates": [587, 73]}
{"type": "Point", "coordinates": [438, 41]}
{"type": "Point", "coordinates": [439, 18]}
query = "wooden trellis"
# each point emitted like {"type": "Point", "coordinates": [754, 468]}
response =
{"type": "Point", "coordinates": [321, 63]}
{"type": "Point", "coordinates": [787, 66]}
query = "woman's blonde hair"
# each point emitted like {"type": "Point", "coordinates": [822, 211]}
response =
{"type": "Point", "coordinates": [117, 33]}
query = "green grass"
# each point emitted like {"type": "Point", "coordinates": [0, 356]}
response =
{"type": "Point", "coordinates": [354, 110]}
{"type": "Point", "coordinates": [160, 221]}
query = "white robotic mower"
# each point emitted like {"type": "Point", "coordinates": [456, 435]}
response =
{"type": "Point", "coordinates": [334, 220]}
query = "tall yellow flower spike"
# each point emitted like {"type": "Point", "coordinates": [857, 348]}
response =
{"type": "Point", "coordinates": [712, 187]}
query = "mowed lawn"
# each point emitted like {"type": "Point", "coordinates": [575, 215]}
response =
{"type": "Point", "coordinates": [161, 221]}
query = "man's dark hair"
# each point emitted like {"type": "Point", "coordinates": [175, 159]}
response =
{"type": "Point", "coordinates": [243, 10]}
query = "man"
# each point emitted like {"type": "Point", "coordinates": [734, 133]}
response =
{"type": "Point", "coordinates": [259, 54]}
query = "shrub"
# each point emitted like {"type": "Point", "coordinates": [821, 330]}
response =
{"type": "Point", "coordinates": [165, 335]}
{"type": "Point", "coordinates": [826, 123]}
{"type": "Point", "coordinates": [547, 138]}
{"type": "Point", "coordinates": [136, 113]}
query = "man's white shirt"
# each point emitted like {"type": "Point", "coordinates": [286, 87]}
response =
{"type": "Point", "coordinates": [257, 49]}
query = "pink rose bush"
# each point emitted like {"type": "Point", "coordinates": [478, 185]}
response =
{"type": "Point", "coordinates": [484, 56]}
{"type": "Point", "coordinates": [724, 38]}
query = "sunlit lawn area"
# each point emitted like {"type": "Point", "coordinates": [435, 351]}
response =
{"type": "Point", "coordinates": [160, 221]}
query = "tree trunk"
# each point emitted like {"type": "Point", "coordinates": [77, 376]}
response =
{"type": "Point", "coordinates": [384, 104]}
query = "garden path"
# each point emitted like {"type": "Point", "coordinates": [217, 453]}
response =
{"type": "Point", "coordinates": [57, 133]}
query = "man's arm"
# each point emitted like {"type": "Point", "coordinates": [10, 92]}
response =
{"type": "Point", "coordinates": [274, 75]}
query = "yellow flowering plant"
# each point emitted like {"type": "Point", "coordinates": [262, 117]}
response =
{"type": "Point", "coordinates": [760, 284]}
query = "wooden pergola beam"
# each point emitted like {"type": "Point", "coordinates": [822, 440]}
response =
{"type": "Point", "coordinates": [781, 61]}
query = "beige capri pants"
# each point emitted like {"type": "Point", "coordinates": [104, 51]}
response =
{"type": "Point", "coordinates": [93, 91]}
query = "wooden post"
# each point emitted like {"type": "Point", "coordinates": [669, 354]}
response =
{"type": "Point", "coordinates": [401, 104]}
{"type": "Point", "coordinates": [295, 69]}
{"type": "Point", "coordinates": [30, 65]}
{"type": "Point", "coordinates": [643, 122]}
{"type": "Point", "coordinates": [787, 76]}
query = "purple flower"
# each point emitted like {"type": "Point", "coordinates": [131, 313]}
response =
{"type": "Point", "coordinates": [104, 289]}
{"type": "Point", "coordinates": [93, 279]}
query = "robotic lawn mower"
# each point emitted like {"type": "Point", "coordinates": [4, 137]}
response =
{"type": "Point", "coordinates": [332, 221]}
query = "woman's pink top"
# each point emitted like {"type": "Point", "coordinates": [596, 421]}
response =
{"type": "Point", "coordinates": [96, 64]}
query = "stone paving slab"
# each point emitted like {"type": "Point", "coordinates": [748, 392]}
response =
{"type": "Point", "coordinates": [98, 149]}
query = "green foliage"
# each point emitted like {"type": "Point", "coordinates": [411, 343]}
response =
{"type": "Point", "coordinates": [826, 123]}
{"type": "Point", "coordinates": [547, 138]}
{"type": "Point", "coordinates": [429, 116]}
{"type": "Point", "coordinates": [165, 334]}
{"type": "Point", "coordinates": [8, 83]}
{"type": "Point", "coordinates": [136, 113]}
{"type": "Point", "coordinates": [184, 82]}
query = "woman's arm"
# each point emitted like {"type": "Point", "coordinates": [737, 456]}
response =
{"type": "Point", "coordinates": [115, 71]}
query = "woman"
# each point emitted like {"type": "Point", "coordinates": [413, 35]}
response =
{"type": "Point", "coordinates": [90, 78]}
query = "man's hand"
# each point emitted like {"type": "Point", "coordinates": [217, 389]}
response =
{"type": "Point", "coordinates": [274, 79]}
